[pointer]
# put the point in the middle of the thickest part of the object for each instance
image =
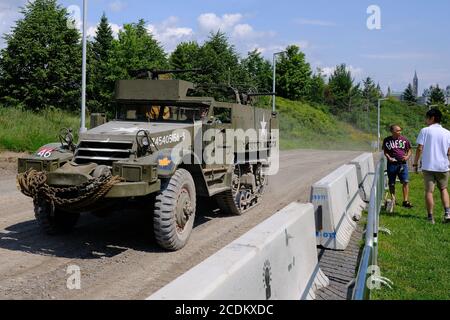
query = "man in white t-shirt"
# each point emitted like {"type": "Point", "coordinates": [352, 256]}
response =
{"type": "Point", "coordinates": [434, 145]}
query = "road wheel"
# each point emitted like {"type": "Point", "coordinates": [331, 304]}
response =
{"type": "Point", "coordinates": [174, 212]}
{"type": "Point", "coordinates": [54, 221]}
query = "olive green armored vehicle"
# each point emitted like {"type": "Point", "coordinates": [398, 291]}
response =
{"type": "Point", "coordinates": [168, 147]}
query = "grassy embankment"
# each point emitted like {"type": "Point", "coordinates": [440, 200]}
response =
{"type": "Point", "coordinates": [410, 118]}
{"type": "Point", "coordinates": [306, 126]}
{"type": "Point", "coordinates": [302, 126]}
{"type": "Point", "coordinates": [27, 131]}
{"type": "Point", "coordinates": [416, 257]}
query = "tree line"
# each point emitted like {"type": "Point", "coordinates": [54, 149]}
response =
{"type": "Point", "coordinates": [433, 95]}
{"type": "Point", "coordinates": [40, 65]}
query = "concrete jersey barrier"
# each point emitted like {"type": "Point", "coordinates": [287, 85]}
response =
{"type": "Point", "coordinates": [338, 205]}
{"type": "Point", "coordinates": [365, 169]}
{"type": "Point", "coordinates": [277, 260]}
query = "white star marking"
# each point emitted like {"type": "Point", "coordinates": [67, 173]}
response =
{"type": "Point", "coordinates": [127, 130]}
{"type": "Point", "coordinates": [263, 127]}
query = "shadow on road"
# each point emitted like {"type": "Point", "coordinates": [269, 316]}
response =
{"type": "Point", "coordinates": [98, 238]}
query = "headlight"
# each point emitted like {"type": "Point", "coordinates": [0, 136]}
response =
{"type": "Point", "coordinates": [69, 139]}
{"type": "Point", "coordinates": [145, 142]}
{"type": "Point", "coordinates": [66, 138]}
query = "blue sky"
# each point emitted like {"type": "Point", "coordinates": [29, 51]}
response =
{"type": "Point", "coordinates": [413, 34]}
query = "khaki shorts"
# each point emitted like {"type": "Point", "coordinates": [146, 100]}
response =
{"type": "Point", "coordinates": [433, 178]}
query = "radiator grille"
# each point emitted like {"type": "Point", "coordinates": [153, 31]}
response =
{"type": "Point", "coordinates": [103, 153]}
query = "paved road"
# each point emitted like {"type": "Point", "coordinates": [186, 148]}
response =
{"type": "Point", "coordinates": [117, 255]}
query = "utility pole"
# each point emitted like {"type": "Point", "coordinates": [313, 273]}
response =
{"type": "Point", "coordinates": [379, 120]}
{"type": "Point", "coordinates": [83, 76]}
{"type": "Point", "coordinates": [274, 80]}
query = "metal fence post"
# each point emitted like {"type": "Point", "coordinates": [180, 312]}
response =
{"type": "Point", "coordinates": [369, 256]}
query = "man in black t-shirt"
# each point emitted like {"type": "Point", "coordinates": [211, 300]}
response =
{"type": "Point", "coordinates": [397, 150]}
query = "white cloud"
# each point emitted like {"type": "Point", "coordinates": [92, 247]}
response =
{"type": "Point", "coordinates": [302, 45]}
{"type": "Point", "coordinates": [210, 22]}
{"type": "Point", "coordinates": [270, 49]}
{"type": "Point", "coordinates": [117, 6]}
{"type": "Point", "coordinates": [319, 23]}
{"type": "Point", "coordinates": [356, 71]}
{"type": "Point", "coordinates": [243, 31]}
{"type": "Point", "coordinates": [169, 34]}
{"type": "Point", "coordinates": [91, 31]}
{"type": "Point", "coordinates": [241, 34]}
{"type": "Point", "coordinates": [246, 32]}
{"type": "Point", "coordinates": [115, 29]}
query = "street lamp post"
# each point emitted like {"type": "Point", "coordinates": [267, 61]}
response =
{"type": "Point", "coordinates": [379, 120]}
{"type": "Point", "coordinates": [274, 80]}
{"type": "Point", "coordinates": [83, 76]}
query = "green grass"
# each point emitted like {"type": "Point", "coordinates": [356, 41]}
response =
{"type": "Point", "coordinates": [416, 257]}
{"type": "Point", "coordinates": [23, 131]}
{"type": "Point", "coordinates": [311, 126]}
{"type": "Point", "coordinates": [410, 117]}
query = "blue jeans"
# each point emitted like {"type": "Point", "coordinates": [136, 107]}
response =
{"type": "Point", "coordinates": [399, 170]}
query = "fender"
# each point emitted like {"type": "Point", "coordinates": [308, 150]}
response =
{"type": "Point", "coordinates": [47, 158]}
{"type": "Point", "coordinates": [169, 160]}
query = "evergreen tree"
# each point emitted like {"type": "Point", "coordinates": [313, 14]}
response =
{"type": "Point", "coordinates": [379, 91]}
{"type": "Point", "coordinates": [103, 40]}
{"type": "Point", "coordinates": [341, 89]}
{"type": "Point", "coordinates": [219, 63]}
{"type": "Point", "coordinates": [408, 95]}
{"type": "Point", "coordinates": [101, 87]}
{"type": "Point", "coordinates": [134, 50]}
{"type": "Point", "coordinates": [185, 57]}
{"type": "Point", "coordinates": [41, 64]}
{"type": "Point", "coordinates": [370, 92]}
{"type": "Point", "coordinates": [437, 96]}
{"type": "Point", "coordinates": [293, 74]}
{"type": "Point", "coordinates": [317, 92]}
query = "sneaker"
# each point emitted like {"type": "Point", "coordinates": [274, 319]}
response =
{"type": "Point", "coordinates": [407, 204]}
{"type": "Point", "coordinates": [447, 218]}
{"type": "Point", "coordinates": [390, 206]}
{"type": "Point", "coordinates": [431, 219]}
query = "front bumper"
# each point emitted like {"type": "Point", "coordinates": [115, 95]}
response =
{"type": "Point", "coordinates": [133, 189]}
{"type": "Point", "coordinates": [119, 190]}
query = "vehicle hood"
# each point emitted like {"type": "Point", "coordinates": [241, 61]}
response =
{"type": "Point", "coordinates": [125, 130]}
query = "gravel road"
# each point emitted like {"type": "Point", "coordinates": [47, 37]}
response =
{"type": "Point", "coordinates": [117, 255]}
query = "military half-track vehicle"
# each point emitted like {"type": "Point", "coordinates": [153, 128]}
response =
{"type": "Point", "coordinates": [155, 150]}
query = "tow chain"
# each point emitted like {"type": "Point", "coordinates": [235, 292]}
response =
{"type": "Point", "coordinates": [33, 184]}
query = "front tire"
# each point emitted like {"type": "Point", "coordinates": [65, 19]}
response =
{"type": "Point", "coordinates": [174, 212]}
{"type": "Point", "coordinates": [54, 221]}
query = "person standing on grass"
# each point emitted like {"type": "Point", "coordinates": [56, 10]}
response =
{"type": "Point", "coordinates": [434, 147]}
{"type": "Point", "coordinates": [397, 150]}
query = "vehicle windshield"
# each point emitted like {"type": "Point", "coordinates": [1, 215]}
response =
{"type": "Point", "coordinates": [161, 113]}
